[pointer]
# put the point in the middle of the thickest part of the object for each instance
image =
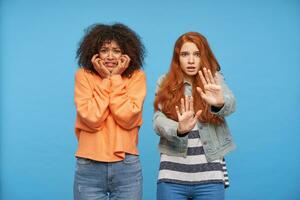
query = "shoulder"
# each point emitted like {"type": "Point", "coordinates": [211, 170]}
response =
{"type": "Point", "coordinates": [159, 81]}
{"type": "Point", "coordinates": [220, 75]}
{"type": "Point", "coordinates": [81, 73]}
{"type": "Point", "coordinates": [85, 74]}
{"type": "Point", "coordinates": [138, 75]}
{"type": "Point", "coordinates": [138, 72]}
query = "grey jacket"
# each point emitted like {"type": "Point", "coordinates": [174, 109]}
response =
{"type": "Point", "coordinates": [216, 139]}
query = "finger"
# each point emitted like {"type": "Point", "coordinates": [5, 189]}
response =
{"type": "Point", "coordinates": [191, 104]}
{"type": "Point", "coordinates": [182, 105]}
{"type": "Point", "coordinates": [213, 88]}
{"type": "Point", "coordinates": [127, 58]}
{"type": "Point", "coordinates": [206, 76]}
{"type": "Point", "coordinates": [200, 90]}
{"type": "Point", "coordinates": [126, 64]}
{"type": "Point", "coordinates": [187, 108]}
{"type": "Point", "coordinates": [197, 115]}
{"type": "Point", "coordinates": [177, 111]}
{"type": "Point", "coordinates": [123, 59]}
{"type": "Point", "coordinates": [211, 78]}
{"type": "Point", "coordinates": [106, 70]}
{"type": "Point", "coordinates": [94, 57]}
{"type": "Point", "coordinates": [202, 78]}
{"type": "Point", "coordinates": [218, 78]}
{"type": "Point", "coordinates": [120, 62]}
{"type": "Point", "coordinates": [101, 65]}
{"type": "Point", "coordinates": [202, 94]}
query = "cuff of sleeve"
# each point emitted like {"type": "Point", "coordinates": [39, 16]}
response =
{"type": "Point", "coordinates": [182, 135]}
{"type": "Point", "coordinates": [106, 82]}
{"type": "Point", "coordinates": [105, 85]}
{"type": "Point", "coordinates": [215, 109]}
{"type": "Point", "coordinates": [173, 129]}
{"type": "Point", "coordinates": [116, 80]}
{"type": "Point", "coordinates": [220, 111]}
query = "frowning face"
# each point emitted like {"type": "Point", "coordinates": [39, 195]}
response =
{"type": "Point", "coordinates": [110, 53]}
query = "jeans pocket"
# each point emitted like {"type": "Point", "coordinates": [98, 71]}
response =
{"type": "Point", "coordinates": [131, 159]}
{"type": "Point", "coordinates": [83, 161]}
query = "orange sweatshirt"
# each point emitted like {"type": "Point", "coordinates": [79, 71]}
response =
{"type": "Point", "coordinates": [109, 114]}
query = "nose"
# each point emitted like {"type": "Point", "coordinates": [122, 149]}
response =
{"type": "Point", "coordinates": [191, 59]}
{"type": "Point", "coordinates": [110, 55]}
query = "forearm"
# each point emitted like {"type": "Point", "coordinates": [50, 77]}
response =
{"type": "Point", "coordinates": [126, 101]}
{"type": "Point", "coordinates": [91, 101]}
{"type": "Point", "coordinates": [165, 127]}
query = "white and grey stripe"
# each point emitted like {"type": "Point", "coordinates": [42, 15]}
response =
{"type": "Point", "coordinates": [194, 168]}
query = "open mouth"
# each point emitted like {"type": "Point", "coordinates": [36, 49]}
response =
{"type": "Point", "coordinates": [190, 68]}
{"type": "Point", "coordinates": [110, 64]}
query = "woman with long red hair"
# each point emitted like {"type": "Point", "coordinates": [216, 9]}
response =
{"type": "Point", "coordinates": [191, 103]}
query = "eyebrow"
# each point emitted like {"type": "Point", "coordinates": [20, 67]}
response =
{"type": "Point", "coordinates": [189, 52]}
{"type": "Point", "coordinates": [112, 48]}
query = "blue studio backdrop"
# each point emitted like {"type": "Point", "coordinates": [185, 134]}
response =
{"type": "Point", "coordinates": [257, 44]}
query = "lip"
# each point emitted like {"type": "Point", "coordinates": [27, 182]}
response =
{"type": "Point", "coordinates": [110, 64]}
{"type": "Point", "coordinates": [191, 67]}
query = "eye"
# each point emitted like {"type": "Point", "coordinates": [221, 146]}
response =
{"type": "Point", "coordinates": [184, 54]}
{"type": "Point", "coordinates": [197, 54]}
{"type": "Point", "coordinates": [117, 51]}
{"type": "Point", "coordinates": [103, 51]}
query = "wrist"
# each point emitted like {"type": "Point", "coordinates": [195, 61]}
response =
{"type": "Point", "coordinates": [182, 133]}
{"type": "Point", "coordinates": [219, 105]}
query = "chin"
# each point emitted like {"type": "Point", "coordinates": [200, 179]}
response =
{"type": "Point", "coordinates": [109, 69]}
{"type": "Point", "coordinates": [192, 73]}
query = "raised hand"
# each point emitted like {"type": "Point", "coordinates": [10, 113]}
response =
{"type": "Point", "coordinates": [99, 66]}
{"type": "Point", "coordinates": [212, 93]}
{"type": "Point", "coordinates": [123, 64]}
{"type": "Point", "coordinates": [187, 119]}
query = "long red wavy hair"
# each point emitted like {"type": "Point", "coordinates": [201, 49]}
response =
{"type": "Point", "coordinates": [172, 87]}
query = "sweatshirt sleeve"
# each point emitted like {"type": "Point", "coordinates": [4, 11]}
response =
{"type": "Point", "coordinates": [91, 99]}
{"type": "Point", "coordinates": [126, 100]}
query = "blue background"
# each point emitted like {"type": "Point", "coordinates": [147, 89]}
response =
{"type": "Point", "coordinates": [256, 42]}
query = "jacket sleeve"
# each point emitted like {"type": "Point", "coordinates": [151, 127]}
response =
{"type": "Point", "coordinates": [164, 126]}
{"type": "Point", "coordinates": [91, 101]}
{"type": "Point", "coordinates": [126, 101]}
{"type": "Point", "coordinates": [229, 100]}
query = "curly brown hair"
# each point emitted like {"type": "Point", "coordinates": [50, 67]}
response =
{"type": "Point", "coordinates": [98, 34]}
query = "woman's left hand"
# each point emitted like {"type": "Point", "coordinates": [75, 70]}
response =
{"type": "Point", "coordinates": [212, 93]}
{"type": "Point", "coordinates": [123, 64]}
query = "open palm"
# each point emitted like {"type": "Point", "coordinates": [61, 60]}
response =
{"type": "Point", "coordinates": [187, 119]}
{"type": "Point", "coordinates": [212, 93]}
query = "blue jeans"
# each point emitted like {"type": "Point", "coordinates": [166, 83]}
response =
{"type": "Point", "coordinates": [101, 180]}
{"type": "Point", "coordinates": [211, 191]}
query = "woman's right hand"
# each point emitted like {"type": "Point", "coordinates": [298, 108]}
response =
{"type": "Point", "coordinates": [99, 66]}
{"type": "Point", "coordinates": [187, 119]}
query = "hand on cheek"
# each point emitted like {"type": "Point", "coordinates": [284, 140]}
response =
{"type": "Point", "coordinates": [123, 64]}
{"type": "Point", "coordinates": [98, 65]}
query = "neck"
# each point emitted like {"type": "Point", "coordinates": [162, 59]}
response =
{"type": "Point", "coordinates": [188, 78]}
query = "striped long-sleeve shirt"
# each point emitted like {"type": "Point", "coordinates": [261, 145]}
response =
{"type": "Point", "coordinates": [194, 168]}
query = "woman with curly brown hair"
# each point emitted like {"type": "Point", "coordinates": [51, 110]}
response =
{"type": "Point", "coordinates": [191, 102]}
{"type": "Point", "coordinates": [110, 89]}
